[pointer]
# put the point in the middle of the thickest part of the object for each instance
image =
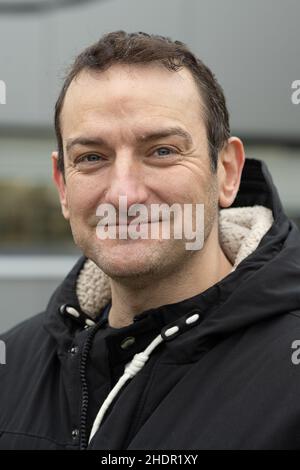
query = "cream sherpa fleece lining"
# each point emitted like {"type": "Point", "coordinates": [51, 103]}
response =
{"type": "Point", "coordinates": [240, 230]}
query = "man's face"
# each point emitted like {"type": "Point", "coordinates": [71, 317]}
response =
{"type": "Point", "coordinates": [113, 126]}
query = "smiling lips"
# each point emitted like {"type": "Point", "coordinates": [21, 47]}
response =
{"type": "Point", "coordinates": [132, 223]}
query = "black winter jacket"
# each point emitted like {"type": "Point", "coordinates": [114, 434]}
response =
{"type": "Point", "coordinates": [226, 381]}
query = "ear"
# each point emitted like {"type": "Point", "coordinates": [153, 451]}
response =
{"type": "Point", "coordinates": [60, 183]}
{"type": "Point", "coordinates": [230, 166]}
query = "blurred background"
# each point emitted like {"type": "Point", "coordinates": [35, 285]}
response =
{"type": "Point", "coordinates": [251, 45]}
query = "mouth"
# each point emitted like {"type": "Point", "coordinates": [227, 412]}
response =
{"type": "Point", "coordinates": [135, 224]}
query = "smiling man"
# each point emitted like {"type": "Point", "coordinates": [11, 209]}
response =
{"type": "Point", "coordinates": [139, 131]}
{"type": "Point", "coordinates": [147, 344]}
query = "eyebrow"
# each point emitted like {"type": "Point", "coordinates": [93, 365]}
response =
{"type": "Point", "coordinates": [143, 138]}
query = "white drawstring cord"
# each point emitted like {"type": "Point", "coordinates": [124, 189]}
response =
{"type": "Point", "coordinates": [131, 369]}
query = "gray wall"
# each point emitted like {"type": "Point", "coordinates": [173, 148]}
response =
{"type": "Point", "coordinates": [26, 284]}
{"type": "Point", "coordinates": [252, 45]}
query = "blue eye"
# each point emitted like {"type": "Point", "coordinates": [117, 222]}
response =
{"type": "Point", "coordinates": [165, 151]}
{"type": "Point", "coordinates": [91, 157]}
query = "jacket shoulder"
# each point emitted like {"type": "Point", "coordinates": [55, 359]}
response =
{"type": "Point", "coordinates": [26, 326]}
{"type": "Point", "coordinates": [25, 344]}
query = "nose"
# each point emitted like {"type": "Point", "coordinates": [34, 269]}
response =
{"type": "Point", "coordinates": [126, 178]}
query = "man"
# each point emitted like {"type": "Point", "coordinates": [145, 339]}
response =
{"type": "Point", "coordinates": [146, 344]}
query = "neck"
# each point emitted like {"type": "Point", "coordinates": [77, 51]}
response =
{"type": "Point", "coordinates": [204, 269]}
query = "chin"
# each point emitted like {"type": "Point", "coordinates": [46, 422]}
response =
{"type": "Point", "coordinates": [120, 270]}
{"type": "Point", "coordinates": [140, 259]}
{"type": "Point", "coordinates": [127, 260]}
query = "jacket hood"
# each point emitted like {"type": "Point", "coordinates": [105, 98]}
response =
{"type": "Point", "coordinates": [257, 237]}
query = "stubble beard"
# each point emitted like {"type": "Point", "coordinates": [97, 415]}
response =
{"type": "Point", "coordinates": [153, 259]}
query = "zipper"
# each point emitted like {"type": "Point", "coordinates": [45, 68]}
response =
{"type": "Point", "coordinates": [84, 387]}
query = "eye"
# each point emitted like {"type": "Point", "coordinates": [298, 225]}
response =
{"type": "Point", "coordinates": [91, 157]}
{"type": "Point", "coordinates": [165, 151]}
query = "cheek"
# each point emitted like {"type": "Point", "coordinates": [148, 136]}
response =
{"type": "Point", "coordinates": [186, 187]}
{"type": "Point", "coordinates": [82, 201]}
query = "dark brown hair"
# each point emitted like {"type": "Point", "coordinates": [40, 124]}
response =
{"type": "Point", "coordinates": [141, 48]}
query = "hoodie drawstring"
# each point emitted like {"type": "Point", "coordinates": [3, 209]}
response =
{"type": "Point", "coordinates": [136, 364]}
{"type": "Point", "coordinates": [139, 360]}
{"type": "Point", "coordinates": [131, 369]}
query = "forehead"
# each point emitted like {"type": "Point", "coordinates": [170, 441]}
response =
{"type": "Point", "coordinates": [131, 95]}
